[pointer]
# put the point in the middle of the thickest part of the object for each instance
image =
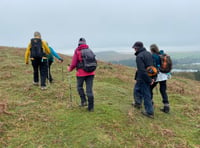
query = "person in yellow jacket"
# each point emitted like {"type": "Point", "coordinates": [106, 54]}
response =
{"type": "Point", "coordinates": [38, 50]}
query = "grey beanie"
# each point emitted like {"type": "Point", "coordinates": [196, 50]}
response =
{"type": "Point", "coordinates": [82, 41]}
{"type": "Point", "coordinates": [37, 34]}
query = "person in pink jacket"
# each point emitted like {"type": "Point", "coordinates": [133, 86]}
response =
{"type": "Point", "coordinates": [83, 76]}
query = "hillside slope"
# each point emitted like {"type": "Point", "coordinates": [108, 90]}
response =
{"type": "Point", "coordinates": [50, 119]}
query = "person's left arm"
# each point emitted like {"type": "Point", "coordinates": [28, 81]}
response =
{"type": "Point", "coordinates": [55, 54]}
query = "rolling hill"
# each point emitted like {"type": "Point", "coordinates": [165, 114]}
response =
{"type": "Point", "coordinates": [49, 118]}
{"type": "Point", "coordinates": [187, 60]}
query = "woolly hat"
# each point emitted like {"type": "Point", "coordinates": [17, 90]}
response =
{"type": "Point", "coordinates": [37, 34]}
{"type": "Point", "coordinates": [81, 41]}
{"type": "Point", "coordinates": [138, 45]}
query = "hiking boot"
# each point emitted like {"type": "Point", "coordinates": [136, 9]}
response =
{"type": "Point", "coordinates": [137, 105]}
{"type": "Point", "coordinates": [91, 110]}
{"type": "Point", "coordinates": [36, 83]}
{"type": "Point", "coordinates": [165, 109]}
{"type": "Point", "coordinates": [51, 80]}
{"type": "Point", "coordinates": [83, 104]}
{"type": "Point", "coordinates": [148, 115]}
{"type": "Point", "coordinates": [43, 87]}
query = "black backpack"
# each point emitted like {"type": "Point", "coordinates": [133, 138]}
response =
{"type": "Point", "coordinates": [89, 62]}
{"type": "Point", "coordinates": [36, 48]}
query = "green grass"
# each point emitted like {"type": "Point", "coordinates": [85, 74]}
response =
{"type": "Point", "coordinates": [48, 119]}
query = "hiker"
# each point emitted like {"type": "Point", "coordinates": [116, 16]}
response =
{"type": "Point", "coordinates": [143, 81]}
{"type": "Point", "coordinates": [82, 75]}
{"type": "Point", "coordinates": [50, 61]}
{"type": "Point", "coordinates": [38, 50]}
{"type": "Point", "coordinates": [161, 78]}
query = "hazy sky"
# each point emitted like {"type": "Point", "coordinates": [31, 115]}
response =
{"type": "Point", "coordinates": [106, 24]}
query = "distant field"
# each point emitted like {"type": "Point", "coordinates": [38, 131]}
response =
{"type": "Point", "coordinates": [181, 55]}
{"type": "Point", "coordinates": [181, 60]}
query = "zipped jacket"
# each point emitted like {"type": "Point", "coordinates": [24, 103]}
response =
{"type": "Point", "coordinates": [143, 60]}
{"type": "Point", "coordinates": [53, 54]}
{"type": "Point", "coordinates": [77, 57]}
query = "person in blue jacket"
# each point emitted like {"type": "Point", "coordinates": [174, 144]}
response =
{"type": "Point", "coordinates": [50, 61]}
{"type": "Point", "coordinates": [161, 78]}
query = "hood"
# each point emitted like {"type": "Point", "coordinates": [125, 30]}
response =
{"type": "Point", "coordinates": [82, 46]}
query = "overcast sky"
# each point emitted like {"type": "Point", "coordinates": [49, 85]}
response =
{"type": "Point", "coordinates": [106, 24]}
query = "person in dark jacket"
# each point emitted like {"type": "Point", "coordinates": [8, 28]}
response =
{"type": "Point", "coordinates": [143, 81]}
{"type": "Point", "coordinates": [83, 76]}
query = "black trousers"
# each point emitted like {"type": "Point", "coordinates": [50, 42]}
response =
{"type": "Point", "coordinates": [49, 76]}
{"type": "Point", "coordinates": [163, 89]}
{"type": "Point", "coordinates": [40, 65]}
{"type": "Point", "coordinates": [89, 92]}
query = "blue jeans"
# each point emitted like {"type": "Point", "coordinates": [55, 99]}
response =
{"type": "Point", "coordinates": [142, 91]}
{"type": "Point", "coordinates": [89, 84]}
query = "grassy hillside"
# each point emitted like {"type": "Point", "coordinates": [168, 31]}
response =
{"type": "Point", "coordinates": [49, 119]}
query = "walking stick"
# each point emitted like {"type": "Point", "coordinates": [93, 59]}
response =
{"type": "Point", "coordinates": [157, 89]}
{"type": "Point", "coordinates": [70, 87]}
{"type": "Point", "coordinates": [62, 73]}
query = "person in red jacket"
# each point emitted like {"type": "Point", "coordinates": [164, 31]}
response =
{"type": "Point", "coordinates": [83, 76]}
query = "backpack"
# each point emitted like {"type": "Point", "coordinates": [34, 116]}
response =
{"type": "Point", "coordinates": [36, 48]}
{"type": "Point", "coordinates": [166, 63]}
{"type": "Point", "coordinates": [152, 71]}
{"type": "Point", "coordinates": [89, 62]}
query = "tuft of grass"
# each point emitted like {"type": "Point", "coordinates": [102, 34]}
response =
{"type": "Point", "coordinates": [51, 119]}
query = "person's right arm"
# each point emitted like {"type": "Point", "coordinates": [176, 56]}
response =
{"type": "Point", "coordinates": [74, 61]}
{"type": "Point", "coordinates": [27, 53]}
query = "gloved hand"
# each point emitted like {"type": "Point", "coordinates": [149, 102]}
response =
{"type": "Point", "coordinates": [61, 60]}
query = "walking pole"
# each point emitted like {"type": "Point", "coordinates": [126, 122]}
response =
{"type": "Point", "coordinates": [70, 87]}
{"type": "Point", "coordinates": [157, 89]}
{"type": "Point", "coordinates": [62, 73]}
